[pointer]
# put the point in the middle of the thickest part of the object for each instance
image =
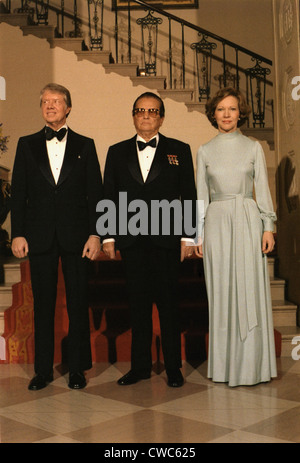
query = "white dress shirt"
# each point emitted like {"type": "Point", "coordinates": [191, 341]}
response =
{"type": "Point", "coordinates": [146, 156]}
{"type": "Point", "coordinates": [56, 152]}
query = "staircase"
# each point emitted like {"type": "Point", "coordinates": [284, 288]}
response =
{"type": "Point", "coordinates": [104, 58]}
{"type": "Point", "coordinates": [176, 59]}
{"type": "Point", "coordinates": [284, 312]}
{"type": "Point", "coordinates": [11, 275]}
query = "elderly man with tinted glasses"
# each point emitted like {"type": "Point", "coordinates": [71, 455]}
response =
{"type": "Point", "coordinates": [149, 168]}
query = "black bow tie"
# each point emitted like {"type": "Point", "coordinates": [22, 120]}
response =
{"type": "Point", "coordinates": [143, 145]}
{"type": "Point", "coordinates": [50, 133]}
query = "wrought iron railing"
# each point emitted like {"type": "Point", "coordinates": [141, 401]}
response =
{"type": "Point", "coordinates": [231, 64]}
{"type": "Point", "coordinates": [255, 76]}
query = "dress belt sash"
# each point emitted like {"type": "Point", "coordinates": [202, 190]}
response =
{"type": "Point", "coordinates": [245, 290]}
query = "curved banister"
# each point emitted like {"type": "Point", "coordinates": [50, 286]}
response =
{"type": "Point", "coordinates": [255, 77]}
{"type": "Point", "coordinates": [203, 31]}
{"type": "Point", "coordinates": [251, 79]}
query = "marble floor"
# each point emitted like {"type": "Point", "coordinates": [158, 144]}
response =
{"type": "Point", "coordinates": [149, 411]}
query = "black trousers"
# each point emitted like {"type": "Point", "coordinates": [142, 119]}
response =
{"type": "Point", "coordinates": [152, 276]}
{"type": "Point", "coordinates": [44, 278]}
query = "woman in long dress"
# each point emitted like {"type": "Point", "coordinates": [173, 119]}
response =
{"type": "Point", "coordinates": [236, 221]}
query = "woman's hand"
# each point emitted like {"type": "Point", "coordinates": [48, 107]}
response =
{"type": "Point", "coordinates": [268, 242]}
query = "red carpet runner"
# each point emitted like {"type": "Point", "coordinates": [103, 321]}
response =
{"type": "Point", "coordinates": [109, 317]}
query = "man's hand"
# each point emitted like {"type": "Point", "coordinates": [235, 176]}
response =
{"type": "Point", "coordinates": [19, 247]}
{"type": "Point", "coordinates": [92, 248]}
{"type": "Point", "coordinates": [186, 250]}
{"type": "Point", "coordinates": [109, 249]}
{"type": "Point", "coordinates": [199, 251]}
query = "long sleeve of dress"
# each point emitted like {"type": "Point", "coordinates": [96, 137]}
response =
{"type": "Point", "coordinates": [262, 191]}
{"type": "Point", "coordinates": [202, 193]}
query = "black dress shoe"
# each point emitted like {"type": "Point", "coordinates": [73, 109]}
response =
{"type": "Point", "coordinates": [77, 380]}
{"type": "Point", "coordinates": [133, 377]}
{"type": "Point", "coordinates": [40, 381]}
{"type": "Point", "coordinates": [175, 378]}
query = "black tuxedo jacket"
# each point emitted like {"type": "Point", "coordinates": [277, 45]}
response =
{"type": "Point", "coordinates": [41, 208]}
{"type": "Point", "coordinates": [171, 177]}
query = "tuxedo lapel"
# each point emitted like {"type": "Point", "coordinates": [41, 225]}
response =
{"type": "Point", "coordinates": [69, 157]}
{"type": "Point", "coordinates": [39, 150]}
{"type": "Point", "coordinates": [133, 162]}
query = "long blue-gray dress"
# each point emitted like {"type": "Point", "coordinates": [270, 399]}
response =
{"type": "Point", "coordinates": [231, 171]}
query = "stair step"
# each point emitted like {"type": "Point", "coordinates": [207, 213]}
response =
{"type": "Point", "coordinates": [17, 19]}
{"type": "Point", "coordinates": [124, 69]}
{"type": "Point", "coordinates": [156, 82]}
{"type": "Point", "coordinates": [277, 289]}
{"type": "Point", "coordinates": [180, 95]}
{"type": "Point", "coordinates": [288, 333]}
{"type": "Point", "coordinates": [284, 313]}
{"type": "Point", "coordinates": [67, 43]}
{"type": "Point", "coordinates": [271, 265]}
{"type": "Point", "coordinates": [264, 134]}
{"type": "Point", "coordinates": [12, 275]}
{"type": "Point", "coordinates": [43, 32]}
{"type": "Point", "coordinates": [98, 57]}
{"type": "Point", "coordinates": [2, 310]}
{"type": "Point", "coordinates": [12, 272]}
{"type": "Point", "coordinates": [6, 294]}
{"type": "Point", "coordinates": [200, 107]}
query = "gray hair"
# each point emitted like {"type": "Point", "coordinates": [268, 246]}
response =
{"type": "Point", "coordinates": [56, 88]}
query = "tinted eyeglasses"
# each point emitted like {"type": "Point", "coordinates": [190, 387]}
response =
{"type": "Point", "coordinates": [140, 112]}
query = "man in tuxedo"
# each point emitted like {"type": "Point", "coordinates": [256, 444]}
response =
{"type": "Point", "coordinates": [56, 184]}
{"type": "Point", "coordinates": [151, 167]}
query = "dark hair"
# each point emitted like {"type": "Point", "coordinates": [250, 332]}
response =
{"type": "Point", "coordinates": [211, 105]}
{"type": "Point", "coordinates": [56, 88]}
{"type": "Point", "coordinates": [151, 95]}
